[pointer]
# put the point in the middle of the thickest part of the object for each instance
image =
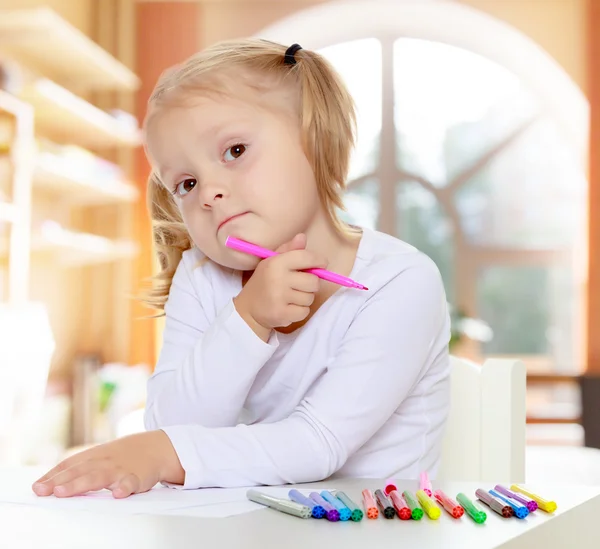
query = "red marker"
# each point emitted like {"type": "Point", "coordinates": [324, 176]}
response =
{"type": "Point", "coordinates": [449, 504]}
{"type": "Point", "coordinates": [399, 504]}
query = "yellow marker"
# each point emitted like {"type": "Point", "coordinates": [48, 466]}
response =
{"type": "Point", "coordinates": [543, 504]}
{"type": "Point", "coordinates": [432, 510]}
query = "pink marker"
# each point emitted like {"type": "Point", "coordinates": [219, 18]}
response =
{"type": "Point", "coordinates": [263, 253]}
{"type": "Point", "coordinates": [425, 484]}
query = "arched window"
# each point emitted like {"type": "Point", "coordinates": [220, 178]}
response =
{"type": "Point", "coordinates": [472, 146]}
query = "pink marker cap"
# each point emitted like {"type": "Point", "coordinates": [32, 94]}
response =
{"type": "Point", "coordinates": [425, 484]}
{"type": "Point", "coordinates": [390, 485]}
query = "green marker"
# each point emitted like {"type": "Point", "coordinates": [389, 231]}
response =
{"type": "Point", "coordinates": [413, 505]}
{"type": "Point", "coordinates": [357, 514]}
{"type": "Point", "coordinates": [472, 510]}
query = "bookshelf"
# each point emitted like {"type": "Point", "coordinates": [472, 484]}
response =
{"type": "Point", "coordinates": [66, 228]}
{"type": "Point", "coordinates": [53, 174]}
{"type": "Point", "coordinates": [42, 40]}
{"type": "Point", "coordinates": [9, 213]}
{"type": "Point", "coordinates": [68, 118]}
{"type": "Point", "coordinates": [16, 137]}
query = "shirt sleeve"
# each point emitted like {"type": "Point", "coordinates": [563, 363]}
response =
{"type": "Point", "coordinates": [382, 357]}
{"type": "Point", "coordinates": [206, 368]}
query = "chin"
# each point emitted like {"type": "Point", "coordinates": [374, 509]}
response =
{"type": "Point", "coordinates": [239, 261]}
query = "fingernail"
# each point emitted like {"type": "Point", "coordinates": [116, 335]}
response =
{"type": "Point", "coordinates": [59, 490]}
{"type": "Point", "coordinates": [41, 489]}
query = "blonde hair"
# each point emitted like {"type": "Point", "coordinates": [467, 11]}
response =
{"type": "Point", "coordinates": [325, 110]}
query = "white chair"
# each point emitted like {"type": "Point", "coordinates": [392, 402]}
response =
{"type": "Point", "coordinates": [485, 432]}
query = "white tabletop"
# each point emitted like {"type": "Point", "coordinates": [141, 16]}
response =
{"type": "Point", "coordinates": [578, 511]}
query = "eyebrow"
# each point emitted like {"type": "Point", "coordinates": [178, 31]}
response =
{"type": "Point", "coordinates": [213, 130]}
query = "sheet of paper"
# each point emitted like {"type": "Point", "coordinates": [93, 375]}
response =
{"type": "Point", "coordinates": [210, 502]}
{"type": "Point", "coordinates": [220, 510]}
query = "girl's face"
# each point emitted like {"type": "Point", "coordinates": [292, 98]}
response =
{"type": "Point", "coordinates": [236, 169]}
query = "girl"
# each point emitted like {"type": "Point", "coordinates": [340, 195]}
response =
{"type": "Point", "coordinates": [269, 375]}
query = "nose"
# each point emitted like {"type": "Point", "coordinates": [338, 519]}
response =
{"type": "Point", "coordinates": [211, 193]}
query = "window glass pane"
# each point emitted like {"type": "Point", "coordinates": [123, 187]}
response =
{"type": "Point", "coordinates": [530, 195]}
{"type": "Point", "coordinates": [451, 106]}
{"type": "Point", "coordinates": [362, 204]}
{"type": "Point", "coordinates": [423, 223]}
{"type": "Point", "coordinates": [359, 64]}
{"type": "Point", "coordinates": [531, 310]}
{"type": "Point", "coordinates": [554, 400]}
{"type": "Point", "coordinates": [553, 434]}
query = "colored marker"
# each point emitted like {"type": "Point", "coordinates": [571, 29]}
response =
{"type": "Point", "coordinates": [345, 513]}
{"type": "Point", "coordinates": [425, 484]}
{"type": "Point", "coordinates": [428, 505]}
{"type": "Point", "coordinates": [317, 511]}
{"type": "Point", "coordinates": [369, 504]}
{"type": "Point", "coordinates": [263, 253]}
{"type": "Point", "coordinates": [389, 486]}
{"type": "Point", "coordinates": [331, 514]}
{"type": "Point", "coordinates": [494, 504]}
{"type": "Point", "coordinates": [283, 505]}
{"type": "Point", "coordinates": [385, 505]}
{"type": "Point", "coordinates": [449, 504]}
{"type": "Point", "coordinates": [544, 504]}
{"type": "Point", "coordinates": [528, 502]}
{"type": "Point", "coordinates": [415, 510]}
{"type": "Point", "coordinates": [357, 514]}
{"type": "Point", "coordinates": [519, 510]}
{"type": "Point", "coordinates": [399, 504]}
{"type": "Point", "coordinates": [477, 514]}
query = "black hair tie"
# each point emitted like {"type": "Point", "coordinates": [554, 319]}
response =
{"type": "Point", "coordinates": [290, 53]}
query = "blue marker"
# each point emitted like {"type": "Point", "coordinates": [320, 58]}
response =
{"type": "Point", "coordinates": [345, 513]}
{"type": "Point", "coordinates": [521, 511]}
{"type": "Point", "coordinates": [317, 511]}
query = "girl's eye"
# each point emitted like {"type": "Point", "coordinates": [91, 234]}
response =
{"type": "Point", "coordinates": [184, 187]}
{"type": "Point", "coordinates": [234, 152]}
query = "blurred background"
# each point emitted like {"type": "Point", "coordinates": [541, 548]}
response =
{"type": "Point", "coordinates": [478, 143]}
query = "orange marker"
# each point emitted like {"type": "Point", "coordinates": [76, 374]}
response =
{"type": "Point", "coordinates": [369, 504]}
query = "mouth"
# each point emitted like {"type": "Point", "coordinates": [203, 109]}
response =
{"type": "Point", "coordinates": [228, 219]}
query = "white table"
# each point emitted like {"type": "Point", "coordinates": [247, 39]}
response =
{"type": "Point", "coordinates": [577, 515]}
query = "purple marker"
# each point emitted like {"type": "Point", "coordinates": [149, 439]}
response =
{"type": "Point", "coordinates": [317, 511]}
{"type": "Point", "coordinates": [331, 513]}
{"type": "Point", "coordinates": [528, 502]}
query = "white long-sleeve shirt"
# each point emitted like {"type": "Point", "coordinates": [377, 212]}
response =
{"type": "Point", "coordinates": [361, 390]}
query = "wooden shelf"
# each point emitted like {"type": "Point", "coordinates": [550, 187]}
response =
{"type": "Point", "coordinates": [8, 212]}
{"type": "Point", "coordinates": [74, 249]}
{"type": "Point", "coordinates": [75, 188]}
{"type": "Point", "coordinates": [41, 39]}
{"type": "Point", "coordinates": [12, 105]}
{"type": "Point", "coordinates": [66, 118]}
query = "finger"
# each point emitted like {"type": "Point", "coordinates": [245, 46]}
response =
{"type": "Point", "coordinates": [127, 485]}
{"type": "Point", "coordinates": [305, 282]}
{"type": "Point", "coordinates": [296, 313]}
{"type": "Point", "coordinates": [63, 477]}
{"type": "Point", "coordinates": [303, 299]}
{"type": "Point", "coordinates": [62, 466]}
{"type": "Point", "coordinates": [297, 243]}
{"type": "Point", "coordinates": [86, 482]}
{"type": "Point", "coordinates": [300, 260]}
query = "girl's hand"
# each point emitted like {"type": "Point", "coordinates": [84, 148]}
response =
{"type": "Point", "coordinates": [125, 466]}
{"type": "Point", "coordinates": [278, 293]}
